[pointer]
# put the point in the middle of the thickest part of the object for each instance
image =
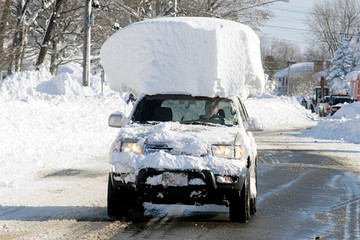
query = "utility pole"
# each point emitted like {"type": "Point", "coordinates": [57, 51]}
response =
{"type": "Point", "coordinates": [175, 8]}
{"type": "Point", "coordinates": [87, 43]}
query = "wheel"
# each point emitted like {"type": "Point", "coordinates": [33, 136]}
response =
{"type": "Point", "coordinates": [123, 203]}
{"type": "Point", "coordinates": [115, 205]}
{"type": "Point", "coordinates": [240, 205]}
{"type": "Point", "coordinates": [253, 209]}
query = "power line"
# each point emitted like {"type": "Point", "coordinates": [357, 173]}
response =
{"type": "Point", "coordinates": [289, 28]}
{"type": "Point", "coordinates": [293, 11]}
{"type": "Point", "coordinates": [286, 40]}
{"type": "Point", "coordinates": [307, 31]}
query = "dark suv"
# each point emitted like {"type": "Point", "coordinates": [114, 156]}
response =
{"type": "Point", "coordinates": [183, 149]}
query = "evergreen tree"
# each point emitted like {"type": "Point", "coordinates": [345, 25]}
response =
{"type": "Point", "coordinates": [357, 52]}
{"type": "Point", "coordinates": [341, 64]}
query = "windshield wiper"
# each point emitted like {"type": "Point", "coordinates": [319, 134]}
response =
{"type": "Point", "coordinates": [147, 122]}
{"type": "Point", "coordinates": [200, 123]}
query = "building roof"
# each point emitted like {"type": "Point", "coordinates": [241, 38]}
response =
{"type": "Point", "coordinates": [296, 69]}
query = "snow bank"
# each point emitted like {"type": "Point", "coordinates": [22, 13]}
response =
{"type": "Point", "coordinates": [344, 125]}
{"type": "Point", "coordinates": [279, 113]}
{"type": "Point", "coordinates": [50, 122]}
{"type": "Point", "coordinates": [200, 56]}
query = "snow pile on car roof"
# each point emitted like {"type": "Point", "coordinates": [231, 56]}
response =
{"type": "Point", "coordinates": [199, 56]}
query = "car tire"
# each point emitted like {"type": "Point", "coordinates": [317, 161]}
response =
{"type": "Point", "coordinates": [123, 203]}
{"type": "Point", "coordinates": [253, 209]}
{"type": "Point", "coordinates": [115, 205]}
{"type": "Point", "coordinates": [239, 209]}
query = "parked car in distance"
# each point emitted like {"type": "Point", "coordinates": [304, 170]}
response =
{"type": "Point", "coordinates": [337, 101]}
{"type": "Point", "coordinates": [334, 96]}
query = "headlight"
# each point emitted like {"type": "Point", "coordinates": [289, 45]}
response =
{"type": "Point", "coordinates": [225, 151]}
{"type": "Point", "coordinates": [131, 147]}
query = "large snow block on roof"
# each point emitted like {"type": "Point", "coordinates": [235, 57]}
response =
{"type": "Point", "coordinates": [199, 56]}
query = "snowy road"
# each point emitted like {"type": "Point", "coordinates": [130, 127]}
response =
{"type": "Point", "coordinates": [306, 189]}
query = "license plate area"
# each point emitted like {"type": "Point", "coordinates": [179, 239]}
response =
{"type": "Point", "coordinates": [175, 179]}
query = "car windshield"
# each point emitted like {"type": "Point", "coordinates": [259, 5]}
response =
{"type": "Point", "coordinates": [185, 109]}
{"type": "Point", "coordinates": [333, 97]}
{"type": "Point", "coordinates": [342, 100]}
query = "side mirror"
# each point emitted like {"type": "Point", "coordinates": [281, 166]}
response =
{"type": "Point", "coordinates": [117, 120]}
{"type": "Point", "coordinates": [253, 125]}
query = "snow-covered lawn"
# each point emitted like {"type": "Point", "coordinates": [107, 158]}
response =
{"type": "Point", "coordinates": [51, 122]}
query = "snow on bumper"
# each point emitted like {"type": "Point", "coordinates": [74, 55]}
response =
{"type": "Point", "coordinates": [165, 178]}
{"type": "Point", "coordinates": [132, 163]}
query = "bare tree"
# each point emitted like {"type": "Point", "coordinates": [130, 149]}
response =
{"type": "Point", "coordinates": [303, 84]}
{"type": "Point", "coordinates": [39, 32]}
{"type": "Point", "coordinates": [281, 51]}
{"type": "Point", "coordinates": [4, 22]}
{"type": "Point", "coordinates": [243, 11]}
{"type": "Point", "coordinates": [49, 32]}
{"type": "Point", "coordinates": [316, 52]}
{"type": "Point", "coordinates": [330, 17]}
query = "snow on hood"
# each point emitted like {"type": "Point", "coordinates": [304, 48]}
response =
{"type": "Point", "coordinates": [188, 141]}
{"type": "Point", "coordinates": [200, 56]}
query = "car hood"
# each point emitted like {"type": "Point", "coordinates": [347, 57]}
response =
{"type": "Point", "coordinates": [195, 140]}
{"type": "Point", "coordinates": [190, 148]}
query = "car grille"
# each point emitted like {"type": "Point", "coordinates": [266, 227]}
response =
{"type": "Point", "coordinates": [156, 147]}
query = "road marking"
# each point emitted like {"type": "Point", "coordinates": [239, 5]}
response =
{"type": "Point", "coordinates": [306, 165]}
{"type": "Point", "coordinates": [11, 236]}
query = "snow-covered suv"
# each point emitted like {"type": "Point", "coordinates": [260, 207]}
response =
{"type": "Point", "coordinates": [177, 148]}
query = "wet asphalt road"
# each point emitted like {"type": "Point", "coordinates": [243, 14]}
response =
{"type": "Point", "coordinates": [301, 196]}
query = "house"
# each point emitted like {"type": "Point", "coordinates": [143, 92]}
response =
{"type": "Point", "coordinates": [299, 78]}
{"type": "Point", "coordinates": [354, 81]}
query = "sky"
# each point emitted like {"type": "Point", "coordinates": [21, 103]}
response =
{"type": "Point", "coordinates": [288, 22]}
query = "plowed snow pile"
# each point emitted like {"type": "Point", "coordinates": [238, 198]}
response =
{"type": "Point", "coordinates": [287, 111]}
{"type": "Point", "coordinates": [344, 125]}
{"type": "Point", "coordinates": [199, 56]}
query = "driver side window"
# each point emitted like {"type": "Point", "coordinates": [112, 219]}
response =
{"type": "Point", "coordinates": [243, 112]}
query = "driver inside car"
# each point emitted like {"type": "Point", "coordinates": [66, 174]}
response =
{"type": "Point", "coordinates": [211, 109]}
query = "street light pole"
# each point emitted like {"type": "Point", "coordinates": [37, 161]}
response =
{"type": "Point", "coordinates": [87, 43]}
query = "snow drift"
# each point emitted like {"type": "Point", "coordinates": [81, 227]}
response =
{"type": "Point", "coordinates": [287, 111]}
{"type": "Point", "coordinates": [200, 56]}
{"type": "Point", "coordinates": [343, 125]}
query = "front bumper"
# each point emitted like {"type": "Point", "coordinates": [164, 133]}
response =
{"type": "Point", "coordinates": [209, 189]}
